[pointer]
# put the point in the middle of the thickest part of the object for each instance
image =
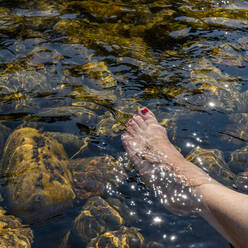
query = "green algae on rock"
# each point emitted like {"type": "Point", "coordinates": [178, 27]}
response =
{"type": "Point", "coordinates": [13, 233]}
{"type": "Point", "coordinates": [38, 180]}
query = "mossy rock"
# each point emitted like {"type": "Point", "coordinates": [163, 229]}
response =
{"type": "Point", "coordinates": [125, 237]}
{"type": "Point", "coordinates": [92, 175]}
{"type": "Point", "coordinates": [213, 162]}
{"type": "Point", "coordinates": [38, 182]}
{"type": "Point", "coordinates": [13, 233]}
{"type": "Point", "coordinates": [97, 216]}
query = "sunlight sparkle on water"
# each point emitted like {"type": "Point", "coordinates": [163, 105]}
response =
{"type": "Point", "coordinates": [173, 237]}
{"type": "Point", "coordinates": [211, 104]}
{"type": "Point", "coordinates": [188, 144]}
{"type": "Point", "coordinates": [157, 220]}
{"type": "Point", "coordinates": [132, 187]}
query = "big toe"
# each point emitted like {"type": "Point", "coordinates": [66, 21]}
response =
{"type": "Point", "coordinates": [148, 116]}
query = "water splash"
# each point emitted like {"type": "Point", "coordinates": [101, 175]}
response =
{"type": "Point", "coordinates": [172, 191]}
{"type": "Point", "coordinates": [171, 188]}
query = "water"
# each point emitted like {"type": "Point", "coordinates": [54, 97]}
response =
{"type": "Point", "coordinates": [83, 68]}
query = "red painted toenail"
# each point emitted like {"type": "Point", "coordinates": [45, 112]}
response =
{"type": "Point", "coordinates": [144, 111]}
{"type": "Point", "coordinates": [130, 121]}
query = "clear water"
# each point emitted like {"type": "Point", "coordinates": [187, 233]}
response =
{"type": "Point", "coordinates": [185, 60]}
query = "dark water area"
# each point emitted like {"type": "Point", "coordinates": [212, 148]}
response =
{"type": "Point", "coordinates": [77, 71]}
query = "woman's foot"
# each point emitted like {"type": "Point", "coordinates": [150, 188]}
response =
{"type": "Point", "coordinates": [161, 165]}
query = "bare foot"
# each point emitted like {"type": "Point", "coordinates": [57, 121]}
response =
{"type": "Point", "coordinates": [173, 178]}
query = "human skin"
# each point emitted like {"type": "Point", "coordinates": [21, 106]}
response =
{"type": "Point", "coordinates": [149, 148]}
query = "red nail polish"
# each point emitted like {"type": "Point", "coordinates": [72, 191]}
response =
{"type": "Point", "coordinates": [144, 111]}
{"type": "Point", "coordinates": [130, 121]}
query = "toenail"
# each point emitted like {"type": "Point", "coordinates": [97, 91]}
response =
{"type": "Point", "coordinates": [144, 111]}
{"type": "Point", "coordinates": [130, 121]}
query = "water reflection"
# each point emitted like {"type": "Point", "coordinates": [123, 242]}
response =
{"type": "Point", "coordinates": [78, 70]}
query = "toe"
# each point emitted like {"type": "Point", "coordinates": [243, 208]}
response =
{"type": "Point", "coordinates": [134, 125]}
{"type": "Point", "coordinates": [148, 116]}
{"type": "Point", "coordinates": [130, 130]}
{"type": "Point", "coordinates": [140, 121]}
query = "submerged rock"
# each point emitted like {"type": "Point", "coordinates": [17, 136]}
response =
{"type": "Point", "coordinates": [108, 125]}
{"type": "Point", "coordinates": [80, 114]}
{"type": "Point", "coordinates": [96, 219]}
{"type": "Point", "coordinates": [13, 233]}
{"type": "Point", "coordinates": [21, 86]}
{"type": "Point", "coordinates": [4, 133]}
{"type": "Point", "coordinates": [99, 96]}
{"type": "Point", "coordinates": [125, 237]}
{"type": "Point", "coordinates": [37, 178]}
{"type": "Point", "coordinates": [236, 131]}
{"type": "Point", "coordinates": [72, 143]}
{"type": "Point", "coordinates": [239, 160]}
{"type": "Point", "coordinates": [92, 176]}
{"type": "Point", "coordinates": [213, 89]}
{"type": "Point", "coordinates": [98, 73]}
{"type": "Point", "coordinates": [97, 216]}
{"type": "Point", "coordinates": [211, 161]}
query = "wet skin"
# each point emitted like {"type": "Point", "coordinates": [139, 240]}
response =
{"type": "Point", "coordinates": [146, 140]}
{"type": "Point", "coordinates": [149, 148]}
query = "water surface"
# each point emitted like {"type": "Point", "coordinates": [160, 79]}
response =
{"type": "Point", "coordinates": [185, 60]}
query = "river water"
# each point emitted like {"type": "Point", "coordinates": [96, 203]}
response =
{"type": "Point", "coordinates": [186, 60]}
